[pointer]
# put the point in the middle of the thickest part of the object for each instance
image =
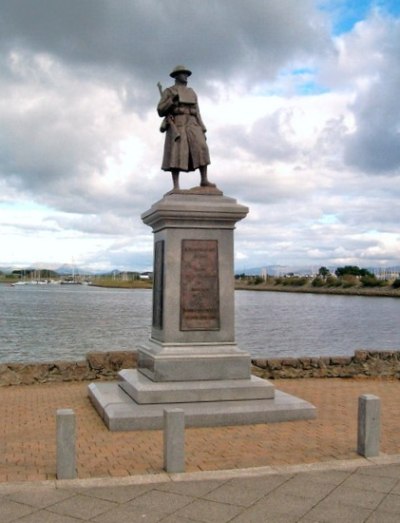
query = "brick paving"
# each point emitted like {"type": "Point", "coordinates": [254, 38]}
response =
{"type": "Point", "coordinates": [28, 450]}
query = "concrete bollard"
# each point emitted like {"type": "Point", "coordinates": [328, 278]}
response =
{"type": "Point", "coordinates": [66, 451]}
{"type": "Point", "coordinates": [369, 411]}
{"type": "Point", "coordinates": [174, 440]}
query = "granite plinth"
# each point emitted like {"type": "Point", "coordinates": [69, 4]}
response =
{"type": "Point", "coordinates": [193, 299]}
{"type": "Point", "coordinates": [211, 361]}
{"type": "Point", "coordinates": [181, 208]}
{"type": "Point", "coordinates": [143, 390]}
{"type": "Point", "coordinates": [121, 413]}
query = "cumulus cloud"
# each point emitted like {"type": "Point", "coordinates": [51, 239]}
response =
{"type": "Point", "coordinates": [140, 37]}
{"type": "Point", "coordinates": [297, 121]}
{"type": "Point", "coordinates": [369, 58]}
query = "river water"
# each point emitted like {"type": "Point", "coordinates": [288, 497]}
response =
{"type": "Point", "coordinates": [57, 322]}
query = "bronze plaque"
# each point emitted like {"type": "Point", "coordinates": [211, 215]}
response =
{"type": "Point", "coordinates": [158, 284]}
{"type": "Point", "coordinates": [199, 285]}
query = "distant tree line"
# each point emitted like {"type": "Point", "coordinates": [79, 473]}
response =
{"type": "Point", "coordinates": [345, 277]}
{"type": "Point", "coordinates": [353, 270]}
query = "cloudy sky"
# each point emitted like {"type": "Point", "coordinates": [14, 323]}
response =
{"type": "Point", "coordinates": [300, 99]}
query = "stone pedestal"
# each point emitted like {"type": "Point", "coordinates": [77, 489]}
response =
{"type": "Point", "coordinates": [193, 331]}
{"type": "Point", "coordinates": [191, 359]}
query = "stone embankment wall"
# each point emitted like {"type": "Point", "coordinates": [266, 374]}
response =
{"type": "Point", "coordinates": [97, 366]}
{"type": "Point", "coordinates": [363, 364]}
{"type": "Point", "coordinates": [105, 366]}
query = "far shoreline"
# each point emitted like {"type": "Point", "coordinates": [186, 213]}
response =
{"type": "Point", "coordinates": [380, 292]}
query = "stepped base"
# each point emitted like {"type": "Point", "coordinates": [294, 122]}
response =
{"type": "Point", "coordinates": [143, 390]}
{"type": "Point", "coordinates": [121, 413]}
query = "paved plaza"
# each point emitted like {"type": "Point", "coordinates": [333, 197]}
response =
{"type": "Point", "coordinates": [295, 471]}
{"type": "Point", "coordinates": [345, 491]}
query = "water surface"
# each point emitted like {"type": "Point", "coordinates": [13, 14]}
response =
{"type": "Point", "coordinates": [54, 322]}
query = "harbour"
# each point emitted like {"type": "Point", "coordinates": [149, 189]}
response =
{"type": "Point", "coordinates": [56, 322]}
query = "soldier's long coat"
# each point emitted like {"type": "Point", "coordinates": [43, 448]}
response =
{"type": "Point", "coordinates": [189, 151]}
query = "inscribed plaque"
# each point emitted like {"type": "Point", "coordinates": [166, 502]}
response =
{"type": "Point", "coordinates": [199, 285]}
{"type": "Point", "coordinates": [158, 284]}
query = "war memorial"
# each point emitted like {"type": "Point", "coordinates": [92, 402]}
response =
{"type": "Point", "coordinates": [191, 360]}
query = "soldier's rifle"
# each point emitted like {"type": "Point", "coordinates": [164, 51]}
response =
{"type": "Point", "coordinates": [168, 121]}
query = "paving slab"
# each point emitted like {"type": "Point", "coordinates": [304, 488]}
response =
{"type": "Point", "coordinates": [81, 506]}
{"type": "Point", "coordinates": [373, 483]}
{"type": "Point", "coordinates": [40, 497]}
{"type": "Point", "coordinates": [42, 516]}
{"type": "Point", "coordinates": [380, 516]}
{"type": "Point", "coordinates": [11, 510]}
{"type": "Point", "coordinates": [116, 494]}
{"type": "Point", "coordinates": [391, 504]}
{"type": "Point", "coordinates": [354, 497]}
{"type": "Point", "coordinates": [337, 513]}
{"type": "Point", "coordinates": [208, 511]}
{"type": "Point", "coordinates": [308, 494]}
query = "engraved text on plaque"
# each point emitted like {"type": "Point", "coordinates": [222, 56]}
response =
{"type": "Point", "coordinates": [199, 285]}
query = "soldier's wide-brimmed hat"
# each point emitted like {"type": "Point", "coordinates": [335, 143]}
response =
{"type": "Point", "coordinates": [180, 69]}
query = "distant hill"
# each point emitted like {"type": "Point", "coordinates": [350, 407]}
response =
{"type": "Point", "coordinates": [7, 270]}
{"type": "Point", "coordinates": [68, 268]}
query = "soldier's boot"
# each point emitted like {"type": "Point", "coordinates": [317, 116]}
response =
{"type": "Point", "coordinates": [175, 180]}
{"type": "Point", "coordinates": [204, 179]}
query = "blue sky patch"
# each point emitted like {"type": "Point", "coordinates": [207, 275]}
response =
{"type": "Point", "coordinates": [346, 13]}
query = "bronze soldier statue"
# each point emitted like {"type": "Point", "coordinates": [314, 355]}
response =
{"type": "Point", "coordinates": [185, 147]}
